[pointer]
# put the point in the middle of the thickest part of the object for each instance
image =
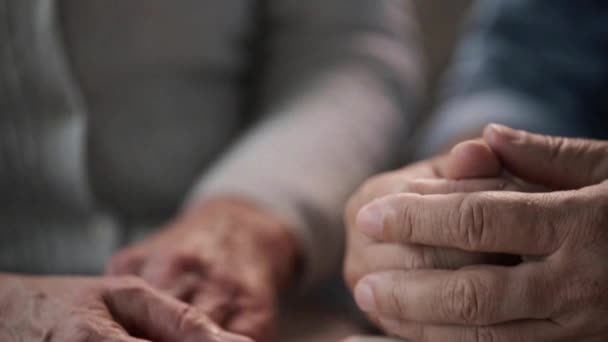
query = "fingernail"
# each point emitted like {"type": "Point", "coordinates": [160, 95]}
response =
{"type": "Point", "coordinates": [364, 296]}
{"type": "Point", "coordinates": [370, 220]}
{"type": "Point", "coordinates": [495, 132]}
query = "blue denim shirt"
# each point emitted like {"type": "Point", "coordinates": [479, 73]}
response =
{"type": "Point", "coordinates": [539, 65]}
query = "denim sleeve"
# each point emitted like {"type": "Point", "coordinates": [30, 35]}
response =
{"type": "Point", "coordinates": [540, 65]}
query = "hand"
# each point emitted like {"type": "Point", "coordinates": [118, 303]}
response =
{"type": "Point", "coordinates": [560, 290]}
{"type": "Point", "coordinates": [444, 174]}
{"type": "Point", "coordinates": [226, 257]}
{"type": "Point", "coordinates": [98, 309]}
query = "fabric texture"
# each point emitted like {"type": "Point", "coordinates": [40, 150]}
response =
{"type": "Point", "coordinates": [538, 65]}
{"type": "Point", "coordinates": [306, 98]}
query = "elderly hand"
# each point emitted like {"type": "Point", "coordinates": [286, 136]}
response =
{"type": "Point", "coordinates": [560, 290]}
{"type": "Point", "coordinates": [228, 258]}
{"type": "Point", "coordinates": [122, 309]}
{"type": "Point", "coordinates": [444, 174]}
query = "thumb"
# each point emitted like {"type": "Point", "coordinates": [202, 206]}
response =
{"type": "Point", "coordinates": [556, 162]}
{"type": "Point", "coordinates": [471, 159]}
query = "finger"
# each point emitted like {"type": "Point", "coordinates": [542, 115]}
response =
{"type": "Point", "coordinates": [215, 299]}
{"type": "Point", "coordinates": [404, 180]}
{"type": "Point", "coordinates": [471, 159]}
{"type": "Point", "coordinates": [431, 186]}
{"type": "Point", "coordinates": [559, 163]}
{"type": "Point", "coordinates": [384, 184]}
{"type": "Point", "coordinates": [377, 257]}
{"type": "Point", "coordinates": [524, 331]}
{"type": "Point", "coordinates": [175, 274]}
{"type": "Point", "coordinates": [252, 311]}
{"type": "Point", "coordinates": [493, 222]}
{"type": "Point", "coordinates": [479, 296]}
{"type": "Point", "coordinates": [110, 330]}
{"type": "Point", "coordinates": [140, 308]}
{"type": "Point", "coordinates": [254, 322]}
{"type": "Point", "coordinates": [126, 262]}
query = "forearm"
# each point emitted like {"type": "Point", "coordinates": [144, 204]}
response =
{"type": "Point", "coordinates": [338, 100]}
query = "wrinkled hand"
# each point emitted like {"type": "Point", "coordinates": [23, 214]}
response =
{"type": "Point", "coordinates": [122, 309]}
{"type": "Point", "coordinates": [227, 258]}
{"type": "Point", "coordinates": [560, 290]}
{"type": "Point", "coordinates": [445, 174]}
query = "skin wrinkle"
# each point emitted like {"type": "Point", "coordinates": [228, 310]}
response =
{"type": "Point", "coordinates": [472, 210]}
{"type": "Point", "coordinates": [554, 296]}
{"type": "Point", "coordinates": [465, 218]}
{"type": "Point", "coordinates": [405, 218]}
{"type": "Point", "coordinates": [397, 297]}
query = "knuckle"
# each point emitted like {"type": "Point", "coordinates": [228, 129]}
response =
{"type": "Point", "coordinates": [593, 153]}
{"type": "Point", "coordinates": [583, 293]}
{"type": "Point", "coordinates": [471, 223]}
{"type": "Point", "coordinates": [556, 147]}
{"type": "Point", "coordinates": [404, 224]}
{"type": "Point", "coordinates": [462, 301]}
{"type": "Point", "coordinates": [396, 300]}
{"type": "Point", "coordinates": [584, 221]}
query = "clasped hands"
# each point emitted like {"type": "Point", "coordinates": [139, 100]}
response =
{"type": "Point", "coordinates": [503, 239]}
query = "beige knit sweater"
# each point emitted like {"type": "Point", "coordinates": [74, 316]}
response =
{"type": "Point", "coordinates": [116, 113]}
